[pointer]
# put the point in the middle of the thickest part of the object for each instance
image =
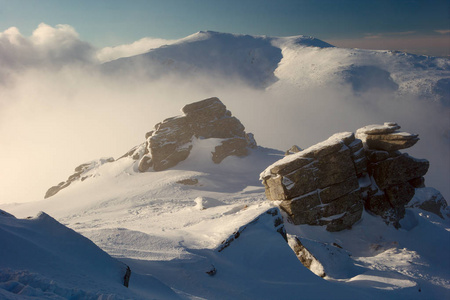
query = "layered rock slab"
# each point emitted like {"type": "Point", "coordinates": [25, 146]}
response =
{"type": "Point", "coordinates": [327, 183]}
{"type": "Point", "coordinates": [395, 175]}
{"type": "Point", "coordinates": [319, 185]}
{"type": "Point", "coordinates": [386, 137]}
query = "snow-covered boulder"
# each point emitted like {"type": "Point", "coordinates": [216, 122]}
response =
{"type": "Point", "coordinates": [171, 141]}
{"type": "Point", "coordinates": [319, 185]}
{"type": "Point", "coordinates": [327, 183]}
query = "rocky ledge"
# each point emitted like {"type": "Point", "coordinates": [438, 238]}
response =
{"type": "Point", "coordinates": [330, 183]}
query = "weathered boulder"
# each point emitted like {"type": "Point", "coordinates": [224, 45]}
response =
{"type": "Point", "coordinates": [386, 137]}
{"type": "Point", "coordinates": [145, 163]}
{"type": "Point", "coordinates": [171, 140]}
{"type": "Point", "coordinates": [305, 256]}
{"type": "Point", "coordinates": [319, 185]}
{"type": "Point", "coordinates": [328, 183]}
{"type": "Point", "coordinates": [395, 175]}
{"type": "Point", "coordinates": [232, 146]}
{"type": "Point", "coordinates": [397, 170]}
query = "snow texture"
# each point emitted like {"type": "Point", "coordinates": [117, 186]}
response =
{"type": "Point", "coordinates": [158, 226]}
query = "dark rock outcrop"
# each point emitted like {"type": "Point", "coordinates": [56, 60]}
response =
{"type": "Point", "coordinates": [126, 277]}
{"type": "Point", "coordinates": [395, 175]}
{"type": "Point", "coordinates": [319, 185]}
{"type": "Point", "coordinates": [171, 141]}
{"type": "Point", "coordinates": [328, 183]}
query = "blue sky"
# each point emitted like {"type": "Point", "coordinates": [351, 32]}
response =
{"type": "Point", "coordinates": [364, 23]}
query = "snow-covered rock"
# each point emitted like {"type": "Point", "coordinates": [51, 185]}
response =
{"type": "Point", "coordinates": [395, 175]}
{"type": "Point", "coordinates": [172, 140]}
{"type": "Point", "coordinates": [386, 137]}
{"type": "Point", "coordinates": [326, 183]}
{"type": "Point", "coordinates": [319, 185]}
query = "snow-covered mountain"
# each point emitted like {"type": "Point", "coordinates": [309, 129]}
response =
{"type": "Point", "coordinates": [262, 61]}
{"type": "Point", "coordinates": [205, 230]}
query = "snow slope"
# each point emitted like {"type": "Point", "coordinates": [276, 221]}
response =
{"type": "Point", "coordinates": [176, 232]}
{"type": "Point", "coordinates": [42, 259]}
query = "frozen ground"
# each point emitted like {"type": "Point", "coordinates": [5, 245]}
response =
{"type": "Point", "coordinates": [170, 234]}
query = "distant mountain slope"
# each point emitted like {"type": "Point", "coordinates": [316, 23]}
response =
{"type": "Point", "coordinates": [252, 59]}
{"type": "Point", "coordinates": [303, 61]}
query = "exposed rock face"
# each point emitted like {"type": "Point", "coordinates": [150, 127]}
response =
{"type": "Point", "coordinates": [328, 183]}
{"type": "Point", "coordinates": [319, 185]}
{"type": "Point", "coordinates": [395, 175]}
{"type": "Point", "coordinates": [80, 174]}
{"type": "Point", "coordinates": [306, 257]}
{"type": "Point", "coordinates": [171, 141]}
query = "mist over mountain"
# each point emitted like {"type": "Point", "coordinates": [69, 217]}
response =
{"type": "Point", "coordinates": [53, 87]}
{"type": "Point", "coordinates": [179, 195]}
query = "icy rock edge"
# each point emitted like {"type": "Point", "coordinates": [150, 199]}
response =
{"type": "Point", "coordinates": [331, 182]}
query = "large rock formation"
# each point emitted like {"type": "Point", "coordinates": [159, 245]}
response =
{"type": "Point", "coordinates": [319, 185]}
{"type": "Point", "coordinates": [171, 140]}
{"type": "Point", "coordinates": [394, 175]}
{"type": "Point", "coordinates": [328, 183]}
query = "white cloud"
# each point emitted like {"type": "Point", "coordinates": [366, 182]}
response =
{"type": "Point", "coordinates": [141, 46]}
{"type": "Point", "coordinates": [46, 47]}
